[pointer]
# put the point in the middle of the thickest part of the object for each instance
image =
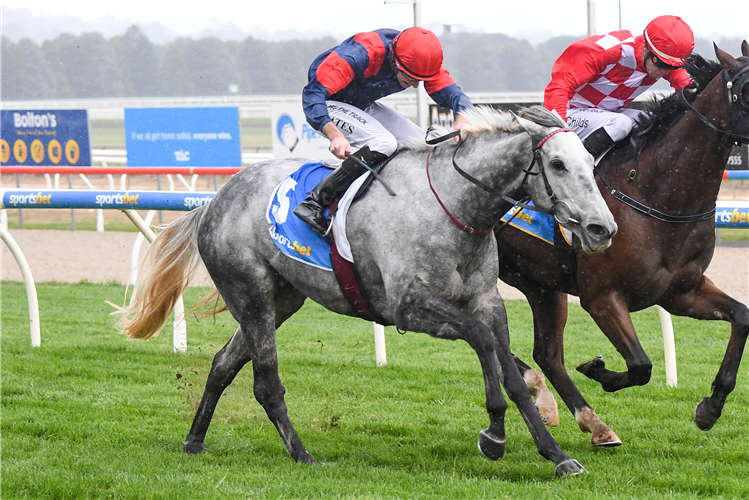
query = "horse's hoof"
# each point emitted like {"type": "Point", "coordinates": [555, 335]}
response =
{"type": "Point", "coordinates": [570, 467]}
{"type": "Point", "coordinates": [491, 446]}
{"type": "Point", "coordinates": [706, 414]}
{"type": "Point", "coordinates": [193, 447]}
{"type": "Point", "coordinates": [592, 367]}
{"type": "Point", "coordinates": [607, 440]}
{"type": "Point", "coordinates": [549, 415]}
{"type": "Point", "coordinates": [306, 458]}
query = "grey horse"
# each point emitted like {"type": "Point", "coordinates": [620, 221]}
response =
{"type": "Point", "coordinates": [422, 271]}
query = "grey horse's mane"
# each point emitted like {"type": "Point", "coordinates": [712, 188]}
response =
{"type": "Point", "coordinates": [485, 119]}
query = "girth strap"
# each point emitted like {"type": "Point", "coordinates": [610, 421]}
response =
{"type": "Point", "coordinates": [349, 281]}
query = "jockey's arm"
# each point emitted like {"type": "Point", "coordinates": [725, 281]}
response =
{"type": "Point", "coordinates": [339, 145]}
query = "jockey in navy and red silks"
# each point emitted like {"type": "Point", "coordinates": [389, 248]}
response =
{"type": "Point", "coordinates": [340, 101]}
{"type": "Point", "coordinates": [595, 78]}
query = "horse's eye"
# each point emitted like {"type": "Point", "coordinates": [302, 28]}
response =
{"type": "Point", "coordinates": [558, 164]}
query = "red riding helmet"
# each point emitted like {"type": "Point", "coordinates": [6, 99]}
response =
{"type": "Point", "coordinates": [670, 39]}
{"type": "Point", "coordinates": [418, 53]}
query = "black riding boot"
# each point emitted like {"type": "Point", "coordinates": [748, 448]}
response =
{"type": "Point", "coordinates": [312, 210]}
{"type": "Point", "coordinates": [598, 142]}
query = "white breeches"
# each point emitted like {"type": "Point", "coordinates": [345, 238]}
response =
{"type": "Point", "coordinates": [618, 124]}
{"type": "Point", "coordinates": [380, 127]}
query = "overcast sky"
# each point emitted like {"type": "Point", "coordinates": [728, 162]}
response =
{"type": "Point", "coordinates": [711, 19]}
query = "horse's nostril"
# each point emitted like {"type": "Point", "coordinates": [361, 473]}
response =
{"type": "Point", "coordinates": [598, 230]}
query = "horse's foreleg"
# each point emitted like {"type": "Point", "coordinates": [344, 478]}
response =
{"type": "Point", "coordinates": [226, 364]}
{"type": "Point", "coordinates": [422, 310]}
{"type": "Point", "coordinates": [493, 313]}
{"type": "Point", "coordinates": [549, 319]}
{"type": "Point", "coordinates": [610, 313]}
{"type": "Point", "coordinates": [707, 302]}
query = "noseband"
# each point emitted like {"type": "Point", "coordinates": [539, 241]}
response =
{"type": "Point", "coordinates": [519, 203]}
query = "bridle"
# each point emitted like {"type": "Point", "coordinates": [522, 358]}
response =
{"type": "Point", "coordinates": [522, 203]}
{"type": "Point", "coordinates": [736, 92]}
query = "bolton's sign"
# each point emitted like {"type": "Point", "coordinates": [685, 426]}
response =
{"type": "Point", "coordinates": [45, 137]}
{"type": "Point", "coordinates": [182, 137]}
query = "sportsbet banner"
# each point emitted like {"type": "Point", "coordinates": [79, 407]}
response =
{"type": "Point", "coordinates": [45, 137]}
{"type": "Point", "coordinates": [70, 198]}
{"type": "Point", "coordinates": [732, 214]}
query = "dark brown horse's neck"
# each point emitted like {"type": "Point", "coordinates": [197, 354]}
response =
{"type": "Point", "coordinates": [681, 173]}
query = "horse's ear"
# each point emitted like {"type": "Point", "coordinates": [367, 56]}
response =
{"type": "Point", "coordinates": [727, 60]}
{"type": "Point", "coordinates": [745, 48]}
{"type": "Point", "coordinates": [536, 131]}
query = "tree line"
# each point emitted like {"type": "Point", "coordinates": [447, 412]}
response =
{"type": "Point", "coordinates": [129, 65]}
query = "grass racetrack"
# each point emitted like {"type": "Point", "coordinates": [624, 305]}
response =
{"type": "Point", "coordinates": [92, 415]}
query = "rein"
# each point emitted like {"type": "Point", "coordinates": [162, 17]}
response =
{"type": "Point", "coordinates": [519, 203]}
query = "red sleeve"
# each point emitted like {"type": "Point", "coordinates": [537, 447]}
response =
{"type": "Point", "coordinates": [443, 80]}
{"type": "Point", "coordinates": [372, 43]}
{"type": "Point", "coordinates": [334, 73]}
{"type": "Point", "coordinates": [678, 78]}
{"type": "Point", "coordinates": [582, 62]}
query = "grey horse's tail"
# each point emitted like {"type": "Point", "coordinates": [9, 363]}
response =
{"type": "Point", "coordinates": [163, 275]}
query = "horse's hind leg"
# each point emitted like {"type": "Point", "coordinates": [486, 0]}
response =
{"type": "Point", "coordinates": [254, 340]}
{"type": "Point", "coordinates": [226, 364]}
{"type": "Point", "coordinates": [708, 302]}
{"type": "Point", "coordinates": [545, 402]}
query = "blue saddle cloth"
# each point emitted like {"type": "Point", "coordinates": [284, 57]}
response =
{"type": "Point", "coordinates": [538, 224]}
{"type": "Point", "coordinates": [290, 234]}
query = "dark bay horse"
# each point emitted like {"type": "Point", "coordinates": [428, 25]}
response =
{"type": "Point", "coordinates": [655, 259]}
{"type": "Point", "coordinates": [422, 272]}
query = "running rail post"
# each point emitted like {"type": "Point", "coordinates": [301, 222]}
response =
{"type": "Point", "coordinates": [669, 346]}
{"type": "Point", "coordinates": [379, 338]}
{"type": "Point", "coordinates": [179, 336]}
{"type": "Point", "coordinates": [28, 280]}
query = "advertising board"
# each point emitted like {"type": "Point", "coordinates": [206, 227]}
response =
{"type": "Point", "coordinates": [183, 137]}
{"type": "Point", "coordinates": [45, 137]}
{"type": "Point", "coordinates": [293, 137]}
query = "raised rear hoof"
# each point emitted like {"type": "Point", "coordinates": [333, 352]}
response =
{"type": "Point", "coordinates": [491, 446]}
{"type": "Point", "coordinates": [570, 467]}
{"type": "Point", "coordinates": [592, 368]}
{"type": "Point", "coordinates": [193, 446]}
{"type": "Point", "coordinates": [706, 414]}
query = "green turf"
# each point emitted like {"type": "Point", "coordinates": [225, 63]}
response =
{"type": "Point", "coordinates": [92, 415]}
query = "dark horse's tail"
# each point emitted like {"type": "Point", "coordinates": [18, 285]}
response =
{"type": "Point", "coordinates": [163, 274]}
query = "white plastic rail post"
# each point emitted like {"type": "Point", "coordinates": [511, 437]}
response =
{"type": "Point", "coordinates": [28, 280]}
{"type": "Point", "coordinates": [379, 336]}
{"type": "Point", "coordinates": [179, 342]}
{"type": "Point", "coordinates": [669, 346]}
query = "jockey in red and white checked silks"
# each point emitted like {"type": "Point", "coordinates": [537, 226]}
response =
{"type": "Point", "coordinates": [595, 78]}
